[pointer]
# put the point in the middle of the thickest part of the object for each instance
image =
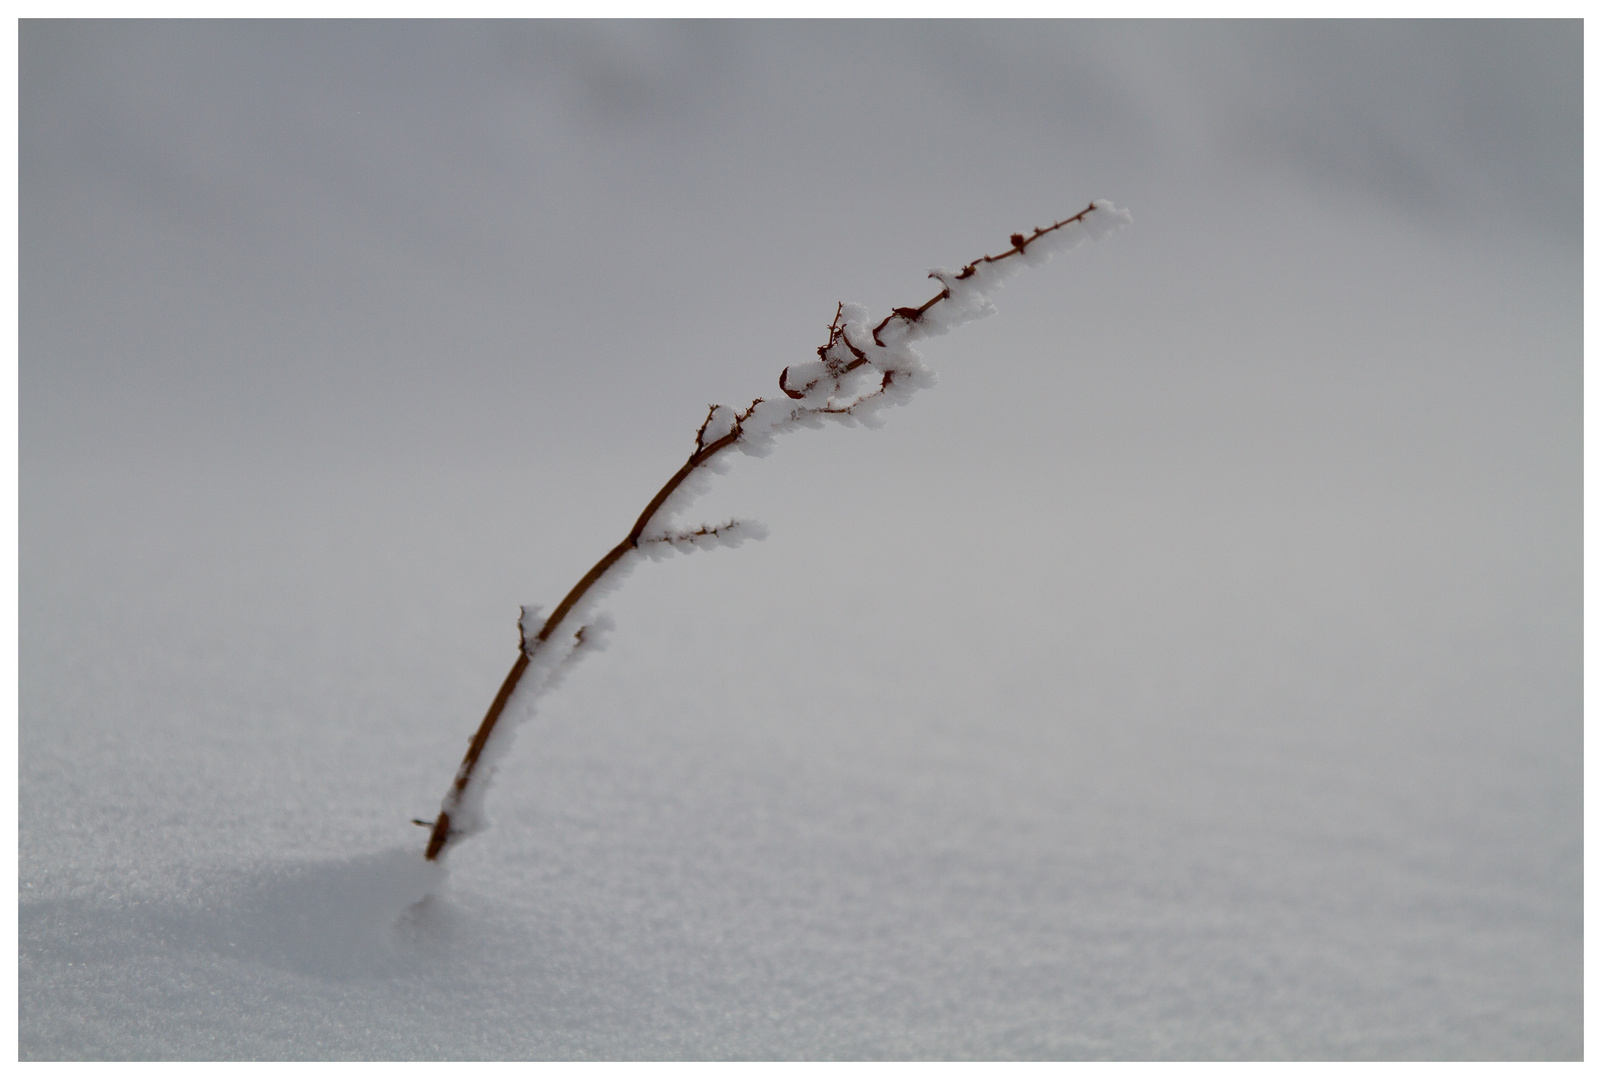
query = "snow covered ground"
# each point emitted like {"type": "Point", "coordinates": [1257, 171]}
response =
{"type": "Point", "coordinates": [1194, 672]}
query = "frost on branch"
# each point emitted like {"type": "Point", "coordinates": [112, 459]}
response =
{"type": "Point", "coordinates": [861, 368]}
{"type": "Point", "coordinates": [729, 534]}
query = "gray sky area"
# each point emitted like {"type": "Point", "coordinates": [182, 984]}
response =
{"type": "Point", "coordinates": [1194, 672]}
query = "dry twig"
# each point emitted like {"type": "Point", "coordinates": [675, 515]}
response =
{"type": "Point", "coordinates": [838, 358]}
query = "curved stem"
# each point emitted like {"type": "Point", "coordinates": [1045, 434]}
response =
{"type": "Point", "coordinates": [441, 836]}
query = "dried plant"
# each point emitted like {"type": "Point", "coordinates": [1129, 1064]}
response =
{"type": "Point", "coordinates": [859, 370]}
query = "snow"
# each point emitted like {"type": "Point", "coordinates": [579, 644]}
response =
{"type": "Point", "coordinates": [1194, 673]}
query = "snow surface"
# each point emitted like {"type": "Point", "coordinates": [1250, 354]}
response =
{"type": "Point", "coordinates": [1195, 672]}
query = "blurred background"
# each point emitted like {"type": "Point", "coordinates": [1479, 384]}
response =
{"type": "Point", "coordinates": [1194, 672]}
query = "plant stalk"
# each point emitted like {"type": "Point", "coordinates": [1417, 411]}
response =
{"type": "Point", "coordinates": [440, 838]}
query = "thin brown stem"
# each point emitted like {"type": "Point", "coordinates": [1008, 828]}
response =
{"type": "Point", "coordinates": [1020, 243]}
{"type": "Point", "coordinates": [442, 824]}
{"type": "Point", "coordinates": [440, 838]}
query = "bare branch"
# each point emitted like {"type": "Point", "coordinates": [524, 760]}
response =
{"type": "Point", "coordinates": [835, 368]}
{"type": "Point", "coordinates": [1019, 244]}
